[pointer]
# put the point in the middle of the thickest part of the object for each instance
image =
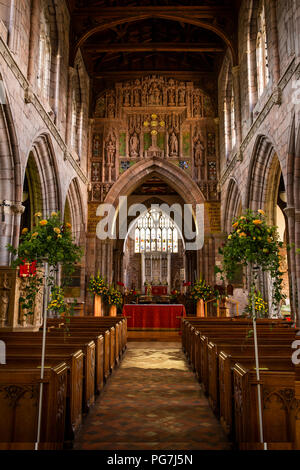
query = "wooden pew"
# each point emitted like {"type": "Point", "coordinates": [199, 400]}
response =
{"type": "Point", "coordinates": [19, 394]}
{"type": "Point", "coordinates": [74, 361]}
{"type": "Point", "coordinates": [58, 347]}
{"type": "Point", "coordinates": [280, 409]}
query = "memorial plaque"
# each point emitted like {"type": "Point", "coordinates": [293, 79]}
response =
{"type": "Point", "coordinates": [213, 210]}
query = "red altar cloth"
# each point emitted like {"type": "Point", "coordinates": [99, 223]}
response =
{"type": "Point", "coordinates": [158, 290]}
{"type": "Point", "coordinates": [153, 316]}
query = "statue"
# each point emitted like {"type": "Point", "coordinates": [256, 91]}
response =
{"type": "Point", "coordinates": [136, 94]}
{"type": "Point", "coordinates": [173, 144]}
{"type": "Point", "coordinates": [171, 97]}
{"type": "Point", "coordinates": [199, 157]}
{"type": "Point", "coordinates": [127, 97]}
{"type": "Point", "coordinates": [181, 97]}
{"type": "Point", "coordinates": [134, 145]}
{"type": "Point", "coordinates": [110, 156]}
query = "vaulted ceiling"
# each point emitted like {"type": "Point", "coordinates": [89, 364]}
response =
{"type": "Point", "coordinates": [122, 39]}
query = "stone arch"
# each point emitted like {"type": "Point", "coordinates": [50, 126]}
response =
{"type": "Point", "coordinates": [233, 205]}
{"type": "Point", "coordinates": [11, 187]}
{"type": "Point", "coordinates": [43, 154]}
{"type": "Point", "coordinates": [259, 172]}
{"type": "Point", "coordinates": [74, 204]}
{"type": "Point", "coordinates": [176, 178]}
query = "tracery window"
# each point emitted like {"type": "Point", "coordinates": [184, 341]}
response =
{"type": "Point", "coordinates": [44, 61]}
{"type": "Point", "coordinates": [155, 232]}
{"type": "Point", "coordinates": [262, 53]}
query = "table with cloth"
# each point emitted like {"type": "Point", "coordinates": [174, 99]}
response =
{"type": "Point", "coordinates": [154, 316]}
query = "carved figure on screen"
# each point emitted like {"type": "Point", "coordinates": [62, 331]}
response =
{"type": "Point", "coordinates": [110, 156]}
{"type": "Point", "coordinates": [134, 145]}
{"type": "Point", "coordinates": [173, 144]}
{"type": "Point", "coordinates": [199, 158]}
{"type": "Point", "coordinates": [181, 97]}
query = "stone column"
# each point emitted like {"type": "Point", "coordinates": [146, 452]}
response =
{"type": "Point", "coordinates": [237, 102]}
{"type": "Point", "coordinates": [143, 270]}
{"type": "Point", "coordinates": [274, 48]}
{"type": "Point", "coordinates": [297, 244]}
{"type": "Point", "coordinates": [34, 41]}
{"type": "Point", "coordinates": [169, 273]}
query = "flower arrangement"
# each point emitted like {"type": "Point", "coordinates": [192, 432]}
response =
{"type": "Point", "coordinates": [113, 296]}
{"type": "Point", "coordinates": [98, 285]}
{"type": "Point", "coordinates": [57, 302]}
{"type": "Point", "coordinates": [202, 291]}
{"type": "Point", "coordinates": [261, 306]}
{"type": "Point", "coordinates": [50, 240]}
{"type": "Point", "coordinates": [252, 241]}
{"type": "Point", "coordinates": [174, 295]}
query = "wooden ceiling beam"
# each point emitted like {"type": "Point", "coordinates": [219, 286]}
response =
{"type": "Point", "coordinates": [153, 47]}
{"type": "Point", "coordinates": [203, 12]}
{"type": "Point", "coordinates": [131, 74]}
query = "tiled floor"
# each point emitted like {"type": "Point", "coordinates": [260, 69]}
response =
{"type": "Point", "coordinates": [152, 401]}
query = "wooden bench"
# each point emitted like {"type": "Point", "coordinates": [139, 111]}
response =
{"type": "Point", "coordinates": [19, 395]}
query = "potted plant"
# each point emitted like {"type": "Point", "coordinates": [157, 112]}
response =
{"type": "Point", "coordinates": [98, 287]}
{"type": "Point", "coordinates": [201, 292]}
{"type": "Point", "coordinates": [254, 244]}
{"type": "Point", "coordinates": [114, 299]}
{"type": "Point", "coordinates": [49, 244]}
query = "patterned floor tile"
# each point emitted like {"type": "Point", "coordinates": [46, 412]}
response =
{"type": "Point", "coordinates": [152, 402]}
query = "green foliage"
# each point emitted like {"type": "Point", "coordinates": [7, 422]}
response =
{"type": "Point", "coordinates": [113, 297]}
{"type": "Point", "coordinates": [261, 306]}
{"type": "Point", "coordinates": [201, 290]}
{"type": "Point", "coordinates": [51, 241]}
{"type": "Point", "coordinates": [57, 302]}
{"type": "Point", "coordinates": [253, 241]}
{"type": "Point", "coordinates": [98, 285]}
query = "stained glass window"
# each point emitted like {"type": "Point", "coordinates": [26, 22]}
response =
{"type": "Point", "coordinates": [155, 232]}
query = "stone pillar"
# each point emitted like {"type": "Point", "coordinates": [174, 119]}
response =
{"type": "Point", "coordinates": [237, 102]}
{"type": "Point", "coordinates": [34, 41]}
{"type": "Point", "coordinates": [290, 215]}
{"type": "Point", "coordinates": [274, 48]}
{"type": "Point", "coordinates": [169, 273]}
{"type": "Point", "coordinates": [143, 270]}
{"type": "Point", "coordinates": [297, 244]}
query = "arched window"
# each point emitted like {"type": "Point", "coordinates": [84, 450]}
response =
{"type": "Point", "coordinates": [232, 120]}
{"type": "Point", "coordinates": [155, 232]}
{"type": "Point", "coordinates": [262, 53]}
{"type": "Point", "coordinates": [229, 116]}
{"type": "Point", "coordinates": [44, 61]}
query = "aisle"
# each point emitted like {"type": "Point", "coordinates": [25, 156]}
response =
{"type": "Point", "coordinates": [152, 401]}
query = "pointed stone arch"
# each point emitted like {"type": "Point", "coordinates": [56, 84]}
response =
{"type": "Point", "coordinates": [233, 205]}
{"type": "Point", "coordinates": [175, 177]}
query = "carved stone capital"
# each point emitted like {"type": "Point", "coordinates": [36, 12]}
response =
{"type": "Point", "coordinates": [18, 208]}
{"type": "Point", "coordinates": [289, 211]}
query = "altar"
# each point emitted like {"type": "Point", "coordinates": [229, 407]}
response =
{"type": "Point", "coordinates": [154, 316]}
{"type": "Point", "coordinates": [158, 290]}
